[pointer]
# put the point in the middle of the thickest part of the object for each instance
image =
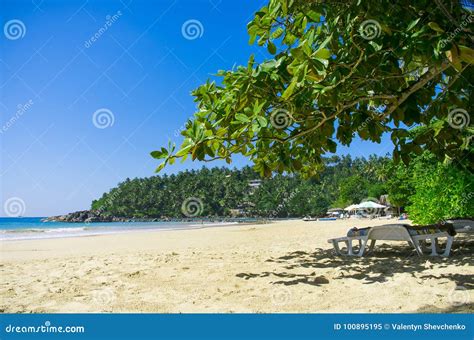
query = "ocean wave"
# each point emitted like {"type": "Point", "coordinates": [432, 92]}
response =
{"type": "Point", "coordinates": [39, 230]}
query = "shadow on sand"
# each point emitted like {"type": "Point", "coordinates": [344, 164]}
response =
{"type": "Point", "coordinates": [384, 263]}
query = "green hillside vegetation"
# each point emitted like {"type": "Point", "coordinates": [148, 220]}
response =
{"type": "Point", "coordinates": [428, 190]}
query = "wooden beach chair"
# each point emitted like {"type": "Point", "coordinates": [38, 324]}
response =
{"type": "Point", "coordinates": [394, 232]}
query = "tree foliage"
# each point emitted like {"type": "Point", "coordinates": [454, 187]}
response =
{"type": "Point", "coordinates": [221, 189]}
{"type": "Point", "coordinates": [431, 191]}
{"type": "Point", "coordinates": [340, 69]}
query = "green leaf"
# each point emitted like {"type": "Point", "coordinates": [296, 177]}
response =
{"type": "Point", "coordinates": [277, 33]}
{"type": "Point", "coordinates": [184, 150]}
{"type": "Point", "coordinates": [262, 121]}
{"type": "Point", "coordinates": [163, 153]}
{"type": "Point", "coordinates": [160, 167]}
{"type": "Point", "coordinates": [323, 54]}
{"type": "Point", "coordinates": [412, 24]}
{"type": "Point", "coordinates": [434, 26]}
{"type": "Point", "coordinates": [271, 47]}
{"type": "Point", "coordinates": [325, 42]}
{"type": "Point", "coordinates": [466, 54]}
{"type": "Point", "coordinates": [289, 90]}
{"type": "Point", "coordinates": [453, 57]}
{"type": "Point", "coordinates": [376, 46]}
{"type": "Point", "coordinates": [242, 118]}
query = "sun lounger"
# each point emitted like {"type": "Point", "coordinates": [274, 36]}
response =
{"type": "Point", "coordinates": [417, 237]}
{"type": "Point", "coordinates": [462, 225]}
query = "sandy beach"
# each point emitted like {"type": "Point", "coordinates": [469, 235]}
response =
{"type": "Point", "coordinates": [286, 266]}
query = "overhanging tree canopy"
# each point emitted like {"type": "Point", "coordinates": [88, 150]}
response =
{"type": "Point", "coordinates": [340, 69]}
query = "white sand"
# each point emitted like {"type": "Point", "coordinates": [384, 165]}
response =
{"type": "Point", "coordinates": [287, 266]}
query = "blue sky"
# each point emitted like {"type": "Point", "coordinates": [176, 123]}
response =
{"type": "Point", "coordinates": [140, 70]}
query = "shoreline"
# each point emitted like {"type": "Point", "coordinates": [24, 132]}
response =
{"type": "Point", "coordinates": [282, 267]}
{"type": "Point", "coordinates": [86, 230]}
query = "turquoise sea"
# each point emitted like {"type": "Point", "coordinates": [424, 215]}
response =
{"type": "Point", "coordinates": [24, 228]}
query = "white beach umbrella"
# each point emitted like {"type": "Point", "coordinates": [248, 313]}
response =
{"type": "Point", "coordinates": [352, 207]}
{"type": "Point", "coordinates": [370, 205]}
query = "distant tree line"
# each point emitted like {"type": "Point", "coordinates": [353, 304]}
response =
{"type": "Point", "coordinates": [427, 189]}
